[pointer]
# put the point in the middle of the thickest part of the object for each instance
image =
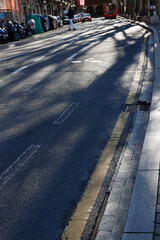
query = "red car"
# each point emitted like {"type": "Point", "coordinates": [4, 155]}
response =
{"type": "Point", "coordinates": [86, 17]}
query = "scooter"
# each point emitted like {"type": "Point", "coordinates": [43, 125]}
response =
{"type": "Point", "coordinates": [3, 35]}
{"type": "Point", "coordinates": [20, 30]}
{"type": "Point", "coordinates": [28, 29]}
{"type": "Point", "coordinates": [12, 31]}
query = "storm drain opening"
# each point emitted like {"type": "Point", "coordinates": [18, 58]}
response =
{"type": "Point", "coordinates": [138, 107]}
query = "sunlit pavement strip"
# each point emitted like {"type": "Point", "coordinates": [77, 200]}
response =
{"type": "Point", "coordinates": [85, 206]}
{"type": "Point", "coordinates": [18, 164]}
{"type": "Point", "coordinates": [52, 52]}
{"type": "Point", "coordinates": [66, 113]}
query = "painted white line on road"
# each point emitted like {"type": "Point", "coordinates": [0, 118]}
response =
{"type": "Point", "coordinates": [2, 105]}
{"type": "Point", "coordinates": [76, 62]}
{"type": "Point", "coordinates": [28, 52]}
{"type": "Point", "coordinates": [18, 164]}
{"type": "Point", "coordinates": [39, 59]}
{"type": "Point", "coordinates": [65, 45]}
{"type": "Point", "coordinates": [34, 84]}
{"type": "Point", "coordinates": [93, 61]}
{"type": "Point", "coordinates": [54, 51]}
{"type": "Point", "coordinates": [19, 70]}
{"type": "Point", "coordinates": [7, 58]}
{"type": "Point", "coordinates": [58, 67]}
{"type": "Point", "coordinates": [66, 113]}
{"type": "Point", "coordinates": [72, 56]}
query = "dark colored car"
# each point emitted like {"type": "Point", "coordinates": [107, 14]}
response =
{"type": "Point", "coordinates": [66, 20]}
{"type": "Point", "coordinates": [86, 17]}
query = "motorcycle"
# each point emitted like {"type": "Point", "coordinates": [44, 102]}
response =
{"type": "Point", "coordinates": [20, 30]}
{"type": "Point", "coordinates": [12, 31]}
{"type": "Point", "coordinates": [28, 29]}
{"type": "Point", "coordinates": [3, 35]}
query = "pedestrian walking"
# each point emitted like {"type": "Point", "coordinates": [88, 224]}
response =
{"type": "Point", "coordinates": [71, 17]}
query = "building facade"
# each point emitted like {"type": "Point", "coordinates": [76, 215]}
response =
{"type": "Point", "coordinates": [95, 7]}
{"type": "Point", "coordinates": [19, 9]}
{"type": "Point", "coordinates": [10, 9]}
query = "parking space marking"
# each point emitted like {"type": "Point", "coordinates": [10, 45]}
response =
{"type": "Point", "coordinates": [58, 67]}
{"type": "Point", "coordinates": [66, 113]}
{"type": "Point", "coordinates": [72, 56]}
{"type": "Point", "coordinates": [38, 59]}
{"type": "Point", "coordinates": [34, 84]}
{"type": "Point", "coordinates": [76, 61]}
{"type": "Point", "coordinates": [54, 51]}
{"type": "Point", "coordinates": [18, 164]}
{"type": "Point", "coordinates": [19, 70]}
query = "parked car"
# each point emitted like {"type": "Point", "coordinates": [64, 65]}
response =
{"type": "Point", "coordinates": [66, 20]}
{"type": "Point", "coordinates": [77, 18]}
{"type": "Point", "coordinates": [80, 17]}
{"type": "Point", "coordinates": [53, 24]}
{"type": "Point", "coordinates": [60, 21]}
{"type": "Point", "coordinates": [86, 17]}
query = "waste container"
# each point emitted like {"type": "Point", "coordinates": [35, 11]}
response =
{"type": "Point", "coordinates": [38, 25]}
{"type": "Point", "coordinates": [53, 22]}
{"type": "Point", "coordinates": [45, 22]}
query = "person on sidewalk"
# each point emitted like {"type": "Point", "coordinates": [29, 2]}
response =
{"type": "Point", "coordinates": [71, 17]}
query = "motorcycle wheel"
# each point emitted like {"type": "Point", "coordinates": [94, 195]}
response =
{"type": "Point", "coordinates": [5, 40]}
{"type": "Point", "coordinates": [29, 33]}
{"type": "Point", "coordinates": [16, 37]}
{"type": "Point", "coordinates": [22, 35]}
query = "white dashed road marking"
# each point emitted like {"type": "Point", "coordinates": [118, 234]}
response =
{"type": "Point", "coordinates": [72, 56]}
{"type": "Point", "coordinates": [19, 70]}
{"type": "Point", "coordinates": [66, 113]}
{"type": "Point", "coordinates": [18, 164]}
{"type": "Point", "coordinates": [39, 59]}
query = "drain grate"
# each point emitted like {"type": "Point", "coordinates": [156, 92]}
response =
{"type": "Point", "coordinates": [137, 107]}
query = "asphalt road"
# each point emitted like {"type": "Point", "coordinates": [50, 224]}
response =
{"type": "Point", "coordinates": [61, 94]}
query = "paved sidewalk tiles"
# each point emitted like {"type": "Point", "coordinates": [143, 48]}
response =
{"type": "Point", "coordinates": [115, 215]}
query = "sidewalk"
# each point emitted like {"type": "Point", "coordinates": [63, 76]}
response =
{"type": "Point", "coordinates": [133, 207]}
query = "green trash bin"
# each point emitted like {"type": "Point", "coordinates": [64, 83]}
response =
{"type": "Point", "coordinates": [38, 25]}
